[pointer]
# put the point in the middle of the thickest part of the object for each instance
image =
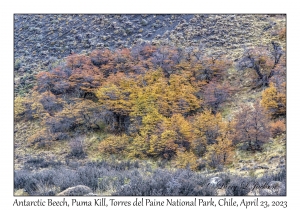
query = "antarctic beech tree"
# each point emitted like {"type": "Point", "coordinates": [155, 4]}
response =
{"type": "Point", "coordinates": [114, 96]}
{"type": "Point", "coordinates": [222, 152]}
{"type": "Point", "coordinates": [214, 67]}
{"type": "Point", "coordinates": [262, 61]}
{"type": "Point", "coordinates": [114, 145]}
{"type": "Point", "coordinates": [215, 94]}
{"type": "Point", "coordinates": [44, 81]}
{"type": "Point", "coordinates": [274, 101]}
{"type": "Point", "coordinates": [181, 129]}
{"type": "Point", "coordinates": [162, 59]}
{"type": "Point", "coordinates": [30, 108]}
{"type": "Point", "coordinates": [278, 127]}
{"type": "Point", "coordinates": [50, 102]}
{"type": "Point", "coordinates": [208, 126]}
{"type": "Point", "coordinates": [158, 102]}
{"type": "Point", "coordinates": [252, 127]}
{"type": "Point", "coordinates": [19, 107]}
{"type": "Point", "coordinates": [76, 61]}
{"type": "Point", "coordinates": [186, 159]}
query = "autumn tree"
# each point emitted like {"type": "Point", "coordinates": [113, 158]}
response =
{"type": "Point", "coordinates": [278, 127]}
{"type": "Point", "coordinates": [213, 67]}
{"type": "Point", "coordinates": [158, 102]}
{"type": "Point", "coordinates": [30, 107]}
{"type": "Point", "coordinates": [252, 127]}
{"type": "Point", "coordinates": [208, 125]}
{"type": "Point", "coordinates": [64, 121]}
{"type": "Point", "coordinates": [50, 102]}
{"type": "Point", "coordinates": [162, 58]}
{"type": "Point", "coordinates": [178, 97]}
{"type": "Point", "coordinates": [222, 152]}
{"type": "Point", "coordinates": [162, 137]}
{"type": "Point", "coordinates": [104, 59]}
{"type": "Point", "coordinates": [88, 114]}
{"type": "Point", "coordinates": [123, 60]}
{"type": "Point", "coordinates": [114, 145]}
{"type": "Point", "coordinates": [215, 93]}
{"type": "Point", "coordinates": [44, 81]}
{"type": "Point", "coordinates": [85, 77]}
{"type": "Point", "coordinates": [19, 107]}
{"type": "Point", "coordinates": [83, 82]}
{"type": "Point", "coordinates": [175, 133]}
{"type": "Point", "coordinates": [145, 142]}
{"type": "Point", "coordinates": [274, 101]}
{"type": "Point", "coordinates": [56, 81]}
{"type": "Point", "coordinates": [262, 61]}
{"type": "Point", "coordinates": [114, 96]}
{"type": "Point", "coordinates": [75, 61]}
{"type": "Point", "coordinates": [186, 159]}
{"type": "Point", "coordinates": [41, 138]}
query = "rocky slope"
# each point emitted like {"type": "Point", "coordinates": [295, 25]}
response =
{"type": "Point", "coordinates": [40, 37]}
{"type": "Point", "coordinates": [41, 41]}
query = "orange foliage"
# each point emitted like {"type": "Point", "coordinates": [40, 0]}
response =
{"type": "Point", "coordinates": [274, 101]}
{"type": "Point", "coordinates": [282, 34]}
{"type": "Point", "coordinates": [278, 127]}
{"type": "Point", "coordinates": [252, 127]}
{"type": "Point", "coordinates": [155, 96]}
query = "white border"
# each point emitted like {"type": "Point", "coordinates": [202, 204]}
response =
{"type": "Point", "coordinates": [152, 6]}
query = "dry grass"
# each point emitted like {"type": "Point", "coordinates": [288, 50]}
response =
{"type": "Point", "coordinates": [273, 153]}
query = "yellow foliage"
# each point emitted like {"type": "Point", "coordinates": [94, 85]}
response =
{"type": "Point", "coordinates": [186, 159]}
{"type": "Point", "coordinates": [168, 138]}
{"type": "Point", "coordinates": [38, 109]}
{"type": "Point", "coordinates": [139, 147]}
{"type": "Point", "coordinates": [40, 136]}
{"type": "Point", "coordinates": [208, 125]}
{"type": "Point", "coordinates": [144, 101]}
{"type": "Point", "coordinates": [162, 137]}
{"type": "Point", "coordinates": [19, 107]}
{"type": "Point", "coordinates": [150, 121]}
{"type": "Point", "coordinates": [147, 93]}
{"type": "Point", "coordinates": [157, 146]}
{"type": "Point", "coordinates": [178, 122]}
{"type": "Point", "coordinates": [223, 150]}
{"type": "Point", "coordinates": [269, 97]}
{"type": "Point", "coordinates": [114, 98]}
{"type": "Point", "coordinates": [180, 97]}
{"type": "Point", "coordinates": [152, 77]}
{"type": "Point", "coordinates": [208, 129]}
{"type": "Point", "coordinates": [273, 101]}
{"type": "Point", "coordinates": [30, 104]}
{"type": "Point", "coordinates": [114, 144]}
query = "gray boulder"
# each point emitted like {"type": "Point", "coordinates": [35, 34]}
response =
{"type": "Point", "coordinates": [78, 190]}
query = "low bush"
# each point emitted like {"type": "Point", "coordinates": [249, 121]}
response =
{"type": "Point", "coordinates": [277, 128]}
{"type": "Point", "coordinates": [76, 146]}
{"type": "Point", "coordinates": [131, 179]}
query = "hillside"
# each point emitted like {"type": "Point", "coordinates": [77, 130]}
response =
{"type": "Point", "coordinates": [42, 40]}
{"type": "Point", "coordinates": [170, 101]}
